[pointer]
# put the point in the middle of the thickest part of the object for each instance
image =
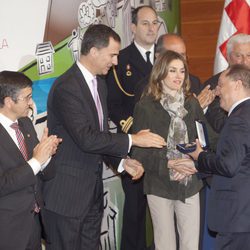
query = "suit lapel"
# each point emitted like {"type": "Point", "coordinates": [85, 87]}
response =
{"type": "Point", "coordinates": [138, 61]}
{"type": "Point", "coordinates": [86, 92]}
{"type": "Point", "coordinates": [9, 144]}
{"type": "Point", "coordinates": [244, 103]}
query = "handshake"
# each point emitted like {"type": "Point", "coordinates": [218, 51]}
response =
{"type": "Point", "coordinates": [182, 168]}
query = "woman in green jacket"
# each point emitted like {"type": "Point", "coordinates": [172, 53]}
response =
{"type": "Point", "coordinates": [168, 109]}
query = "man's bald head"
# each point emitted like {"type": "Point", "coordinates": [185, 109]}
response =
{"type": "Point", "coordinates": [171, 42]}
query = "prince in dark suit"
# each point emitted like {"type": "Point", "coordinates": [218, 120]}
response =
{"type": "Point", "coordinates": [77, 111]}
{"type": "Point", "coordinates": [135, 63]}
{"type": "Point", "coordinates": [21, 161]}
{"type": "Point", "coordinates": [229, 202]}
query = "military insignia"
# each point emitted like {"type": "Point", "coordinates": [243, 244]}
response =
{"type": "Point", "coordinates": [126, 124]}
{"type": "Point", "coordinates": [128, 71]}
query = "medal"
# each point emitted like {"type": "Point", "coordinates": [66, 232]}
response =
{"type": "Point", "coordinates": [128, 71]}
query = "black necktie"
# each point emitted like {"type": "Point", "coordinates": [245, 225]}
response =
{"type": "Point", "coordinates": [148, 59]}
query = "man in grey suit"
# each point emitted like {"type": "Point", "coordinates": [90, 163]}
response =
{"type": "Point", "coordinates": [22, 158]}
{"type": "Point", "coordinates": [229, 201]}
{"type": "Point", "coordinates": [77, 112]}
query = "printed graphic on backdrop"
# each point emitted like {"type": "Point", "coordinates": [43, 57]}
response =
{"type": "Point", "coordinates": [56, 47]}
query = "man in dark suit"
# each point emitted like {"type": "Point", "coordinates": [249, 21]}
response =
{"type": "Point", "coordinates": [238, 52]}
{"type": "Point", "coordinates": [135, 63]}
{"type": "Point", "coordinates": [77, 112]}
{"type": "Point", "coordinates": [229, 202]}
{"type": "Point", "coordinates": [22, 158]}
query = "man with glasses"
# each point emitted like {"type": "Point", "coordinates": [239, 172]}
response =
{"type": "Point", "coordinates": [135, 63]}
{"type": "Point", "coordinates": [22, 161]}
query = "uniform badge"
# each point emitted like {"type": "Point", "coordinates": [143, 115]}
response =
{"type": "Point", "coordinates": [128, 71]}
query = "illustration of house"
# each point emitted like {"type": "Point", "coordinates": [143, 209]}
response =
{"type": "Point", "coordinates": [45, 60]}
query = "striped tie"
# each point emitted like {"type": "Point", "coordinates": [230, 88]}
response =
{"type": "Point", "coordinates": [20, 139]}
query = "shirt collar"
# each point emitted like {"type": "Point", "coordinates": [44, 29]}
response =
{"type": "Point", "coordinates": [143, 51]}
{"type": "Point", "coordinates": [236, 104]}
{"type": "Point", "coordinates": [5, 121]}
{"type": "Point", "coordinates": [86, 73]}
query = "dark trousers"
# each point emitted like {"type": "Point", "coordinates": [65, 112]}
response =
{"type": "Point", "coordinates": [134, 215]}
{"type": "Point", "coordinates": [202, 215]}
{"type": "Point", "coordinates": [35, 237]}
{"type": "Point", "coordinates": [66, 233]}
{"type": "Point", "coordinates": [232, 241]}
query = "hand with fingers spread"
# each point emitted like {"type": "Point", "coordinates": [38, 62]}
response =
{"type": "Point", "coordinates": [206, 97]}
{"type": "Point", "coordinates": [133, 168]}
{"type": "Point", "coordinates": [147, 139]}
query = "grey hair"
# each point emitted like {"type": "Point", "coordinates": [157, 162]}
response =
{"type": "Point", "coordinates": [239, 38]}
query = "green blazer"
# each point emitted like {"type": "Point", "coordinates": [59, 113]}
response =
{"type": "Point", "coordinates": [149, 114]}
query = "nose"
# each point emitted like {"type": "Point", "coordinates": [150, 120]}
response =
{"type": "Point", "coordinates": [179, 75]}
{"type": "Point", "coordinates": [115, 60]}
{"type": "Point", "coordinates": [30, 102]}
{"type": "Point", "coordinates": [246, 61]}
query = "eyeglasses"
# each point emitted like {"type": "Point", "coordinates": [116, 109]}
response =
{"type": "Point", "coordinates": [25, 98]}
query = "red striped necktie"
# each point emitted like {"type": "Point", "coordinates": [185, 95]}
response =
{"type": "Point", "coordinates": [20, 139]}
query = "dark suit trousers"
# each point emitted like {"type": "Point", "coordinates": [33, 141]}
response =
{"type": "Point", "coordinates": [232, 241]}
{"type": "Point", "coordinates": [66, 233]}
{"type": "Point", "coordinates": [134, 215]}
{"type": "Point", "coordinates": [35, 237]}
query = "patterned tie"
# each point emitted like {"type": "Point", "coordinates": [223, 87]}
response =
{"type": "Point", "coordinates": [20, 139]}
{"type": "Point", "coordinates": [148, 59]}
{"type": "Point", "coordinates": [97, 103]}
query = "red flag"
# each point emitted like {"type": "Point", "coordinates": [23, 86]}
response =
{"type": "Point", "coordinates": [235, 19]}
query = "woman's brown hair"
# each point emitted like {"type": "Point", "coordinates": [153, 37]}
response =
{"type": "Point", "coordinates": [160, 72]}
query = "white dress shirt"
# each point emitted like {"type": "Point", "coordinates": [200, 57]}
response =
{"type": "Point", "coordinates": [143, 52]}
{"type": "Point", "coordinates": [6, 122]}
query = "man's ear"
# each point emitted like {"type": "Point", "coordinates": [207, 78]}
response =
{"type": "Point", "coordinates": [238, 84]}
{"type": "Point", "coordinates": [133, 28]}
{"type": "Point", "coordinates": [8, 102]}
{"type": "Point", "coordinates": [93, 52]}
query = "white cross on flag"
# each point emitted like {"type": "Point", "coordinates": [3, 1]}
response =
{"type": "Point", "coordinates": [235, 19]}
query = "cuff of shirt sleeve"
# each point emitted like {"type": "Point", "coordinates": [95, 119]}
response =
{"type": "Point", "coordinates": [35, 165]}
{"type": "Point", "coordinates": [130, 142]}
{"type": "Point", "coordinates": [44, 165]}
{"type": "Point", "coordinates": [120, 168]}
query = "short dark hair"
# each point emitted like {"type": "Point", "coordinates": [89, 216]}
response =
{"type": "Point", "coordinates": [135, 12]}
{"type": "Point", "coordinates": [97, 36]}
{"type": "Point", "coordinates": [239, 72]}
{"type": "Point", "coordinates": [11, 82]}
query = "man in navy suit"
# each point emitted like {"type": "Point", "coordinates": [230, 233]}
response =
{"type": "Point", "coordinates": [22, 160]}
{"type": "Point", "coordinates": [229, 200]}
{"type": "Point", "coordinates": [77, 112]}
